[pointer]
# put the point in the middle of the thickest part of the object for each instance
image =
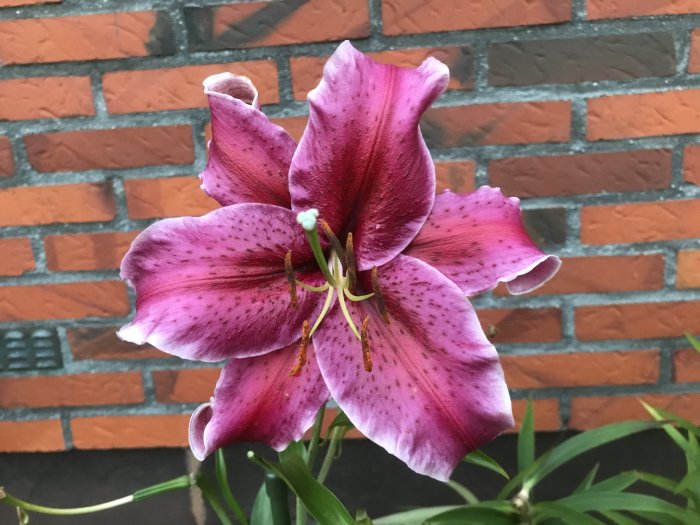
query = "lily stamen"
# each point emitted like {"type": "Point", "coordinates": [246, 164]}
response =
{"type": "Point", "coordinates": [357, 298]}
{"type": "Point", "coordinates": [291, 281]}
{"type": "Point", "coordinates": [351, 264]}
{"type": "Point", "coordinates": [301, 353]}
{"type": "Point", "coordinates": [378, 295]}
{"type": "Point", "coordinates": [335, 243]}
{"type": "Point", "coordinates": [312, 288]}
{"type": "Point", "coordinates": [364, 338]}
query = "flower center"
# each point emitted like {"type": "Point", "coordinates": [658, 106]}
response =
{"type": "Point", "coordinates": [340, 273]}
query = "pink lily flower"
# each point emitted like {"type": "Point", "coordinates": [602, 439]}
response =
{"type": "Point", "coordinates": [332, 270]}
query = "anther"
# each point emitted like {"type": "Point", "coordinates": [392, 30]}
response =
{"type": "Point", "coordinates": [378, 295]}
{"type": "Point", "coordinates": [301, 352]}
{"type": "Point", "coordinates": [364, 338]}
{"type": "Point", "coordinates": [291, 281]}
{"type": "Point", "coordinates": [337, 247]}
{"type": "Point", "coordinates": [352, 266]}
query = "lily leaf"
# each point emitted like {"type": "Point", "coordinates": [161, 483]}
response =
{"type": "Point", "coordinates": [526, 439]}
{"type": "Point", "coordinates": [619, 519]}
{"type": "Point", "coordinates": [484, 513]}
{"type": "Point", "coordinates": [413, 517]}
{"type": "Point", "coordinates": [692, 340]}
{"type": "Point", "coordinates": [270, 506]}
{"type": "Point", "coordinates": [318, 500]}
{"type": "Point", "coordinates": [569, 516]}
{"type": "Point", "coordinates": [481, 459]}
{"type": "Point", "coordinates": [341, 420]}
{"type": "Point", "coordinates": [588, 480]}
{"type": "Point", "coordinates": [625, 501]}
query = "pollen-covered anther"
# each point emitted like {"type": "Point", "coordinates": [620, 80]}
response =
{"type": "Point", "coordinates": [352, 265]}
{"type": "Point", "coordinates": [364, 339]}
{"type": "Point", "coordinates": [301, 352]}
{"type": "Point", "coordinates": [378, 295]}
{"type": "Point", "coordinates": [291, 281]}
{"type": "Point", "coordinates": [333, 240]}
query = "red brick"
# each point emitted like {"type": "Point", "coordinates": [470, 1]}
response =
{"type": "Point", "coordinates": [17, 257]}
{"type": "Point", "coordinates": [110, 432]}
{"type": "Point", "coordinates": [457, 176]}
{"type": "Point", "coordinates": [694, 62]}
{"type": "Point", "coordinates": [522, 325]}
{"type": "Point", "coordinates": [31, 436]}
{"type": "Point", "coordinates": [688, 269]}
{"type": "Point", "coordinates": [28, 206]}
{"type": "Point", "coordinates": [306, 71]}
{"type": "Point", "coordinates": [17, 3]}
{"type": "Point", "coordinates": [592, 412]}
{"type": "Point", "coordinates": [295, 126]}
{"type": "Point", "coordinates": [89, 37]}
{"type": "Point", "coordinates": [49, 97]}
{"type": "Point", "coordinates": [617, 273]}
{"type": "Point", "coordinates": [598, 9]}
{"type": "Point", "coordinates": [110, 148]}
{"type": "Point", "coordinates": [63, 301]}
{"type": "Point", "coordinates": [402, 17]}
{"type": "Point", "coordinates": [584, 173]}
{"type": "Point", "coordinates": [506, 123]}
{"type": "Point", "coordinates": [686, 366]}
{"type": "Point", "coordinates": [644, 115]}
{"type": "Point", "coordinates": [546, 412]}
{"type": "Point", "coordinates": [7, 161]}
{"type": "Point", "coordinates": [640, 222]}
{"type": "Point", "coordinates": [194, 385]}
{"type": "Point", "coordinates": [87, 251]}
{"type": "Point", "coordinates": [253, 24]}
{"type": "Point", "coordinates": [637, 321]}
{"type": "Point", "coordinates": [328, 416]}
{"type": "Point", "coordinates": [181, 87]}
{"type": "Point", "coordinates": [102, 343]}
{"type": "Point", "coordinates": [71, 390]}
{"type": "Point", "coordinates": [171, 197]}
{"type": "Point", "coordinates": [691, 164]}
{"type": "Point", "coordinates": [581, 369]}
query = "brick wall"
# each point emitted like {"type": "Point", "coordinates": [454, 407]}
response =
{"type": "Point", "coordinates": [587, 110]}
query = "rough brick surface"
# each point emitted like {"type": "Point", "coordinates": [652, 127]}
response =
{"type": "Point", "coordinates": [694, 61]}
{"type": "Point", "coordinates": [644, 115]}
{"type": "Point", "coordinates": [591, 412]}
{"type": "Point", "coordinates": [110, 148]}
{"type": "Point", "coordinates": [306, 71]}
{"type": "Point", "coordinates": [181, 87]}
{"type": "Point", "coordinates": [614, 57]}
{"type": "Point", "coordinates": [71, 390]}
{"type": "Point", "coordinates": [517, 123]}
{"type": "Point", "coordinates": [7, 161]}
{"type": "Point", "coordinates": [622, 273]}
{"type": "Point", "coordinates": [107, 432]}
{"type": "Point", "coordinates": [101, 343]}
{"type": "Point", "coordinates": [688, 269]}
{"type": "Point", "coordinates": [457, 176]}
{"type": "Point", "coordinates": [63, 301]}
{"type": "Point", "coordinates": [31, 436]}
{"type": "Point", "coordinates": [16, 256]}
{"type": "Point", "coordinates": [525, 325]}
{"type": "Point", "coordinates": [402, 17]}
{"type": "Point", "coordinates": [251, 24]}
{"type": "Point", "coordinates": [185, 386]}
{"type": "Point", "coordinates": [640, 222]}
{"type": "Point", "coordinates": [49, 97]}
{"type": "Point", "coordinates": [17, 3]}
{"type": "Point", "coordinates": [585, 173]}
{"type": "Point", "coordinates": [624, 8]}
{"type": "Point", "coordinates": [581, 369]}
{"type": "Point", "coordinates": [546, 412]}
{"type": "Point", "coordinates": [691, 165]}
{"type": "Point", "coordinates": [90, 37]}
{"type": "Point", "coordinates": [686, 366]}
{"type": "Point", "coordinates": [87, 251]}
{"type": "Point", "coordinates": [172, 197]}
{"type": "Point", "coordinates": [637, 321]}
{"type": "Point", "coordinates": [52, 204]}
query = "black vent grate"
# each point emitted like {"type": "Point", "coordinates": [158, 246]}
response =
{"type": "Point", "coordinates": [29, 350]}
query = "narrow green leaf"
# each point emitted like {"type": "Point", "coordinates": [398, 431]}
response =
{"type": "Point", "coordinates": [692, 340]}
{"type": "Point", "coordinates": [619, 519]}
{"type": "Point", "coordinates": [616, 483]}
{"type": "Point", "coordinates": [481, 459]}
{"type": "Point", "coordinates": [672, 432]}
{"type": "Point", "coordinates": [207, 489]}
{"type": "Point", "coordinates": [413, 517]}
{"type": "Point", "coordinates": [625, 501]}
{"type": "Point", "coordinates": [341, 420]}
{"type": "Point", "coordinates": [569, 516]}
{"type": "Point", "coordinates": [588, 480]}
{"type": "Point", "coordinates": [225, 488]}
{"type": "Point", "coordinates": [362, 517]}
{"type": "Point", "coordinates": [689, 481]}
{"type": "Point", "coordinates": [295, 448]}
{"type": "Point", "coordinates": [267, 511]}
{"type": "Point", "coordinates": [463, 491]}
{"type": "Point", "coordinates": [526, 439]}
{"type": "Point", "coordinates": [485, 513]}
{"type": "Point", "coordinates": [321, 503]}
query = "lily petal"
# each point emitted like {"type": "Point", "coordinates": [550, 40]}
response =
{"type": "Point", "coordinates": [257, 400]}
{"type": "Point", "coordinates": [249, 156]}
{"type": "Point", "coordinates": [478, 239]}
{"type": "Point", "coordinates": [212, 287]}
{"type": "Point", "coordinates": [436, 390]}
{"type": "Point", "coordinates": [362, 161]}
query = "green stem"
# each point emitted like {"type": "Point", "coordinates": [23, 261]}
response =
{"type": "Point", "coordinates": [277, 492]}
{"type": "Point", "coordinates": [302, 517]}
{"type": "Point", "coordinates": [315, 243]}
{"type": "Point", "coordinates": [330, 454]}
{"type": "Point", "coordinates": [222, 478]}
{"type": "Point", "coordinates": [210, 494]}
{"type": "Point", "coordinates": [182, 482]}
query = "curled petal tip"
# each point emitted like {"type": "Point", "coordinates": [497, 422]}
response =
{"type": "Point", "coordinates": [198, 424]}
{"type": "Point", "coordinates": [233, 87]}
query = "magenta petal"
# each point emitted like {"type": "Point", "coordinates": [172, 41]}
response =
{"type": "Point", "coordinates": [362, 161]}
{"type": "Point", "coordinates": [436, 390]}
{"type": "Point", "coordinates": [212, 287]}
{"type": "Point", "coordinates": [249, 156]}
{"type": "Point", "coordinates": [478, 239]}
{"type": "Point", "coordinates": [257, 400]}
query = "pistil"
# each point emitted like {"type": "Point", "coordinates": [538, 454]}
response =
{"type": "Point", "coordinates": [308, 220]}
